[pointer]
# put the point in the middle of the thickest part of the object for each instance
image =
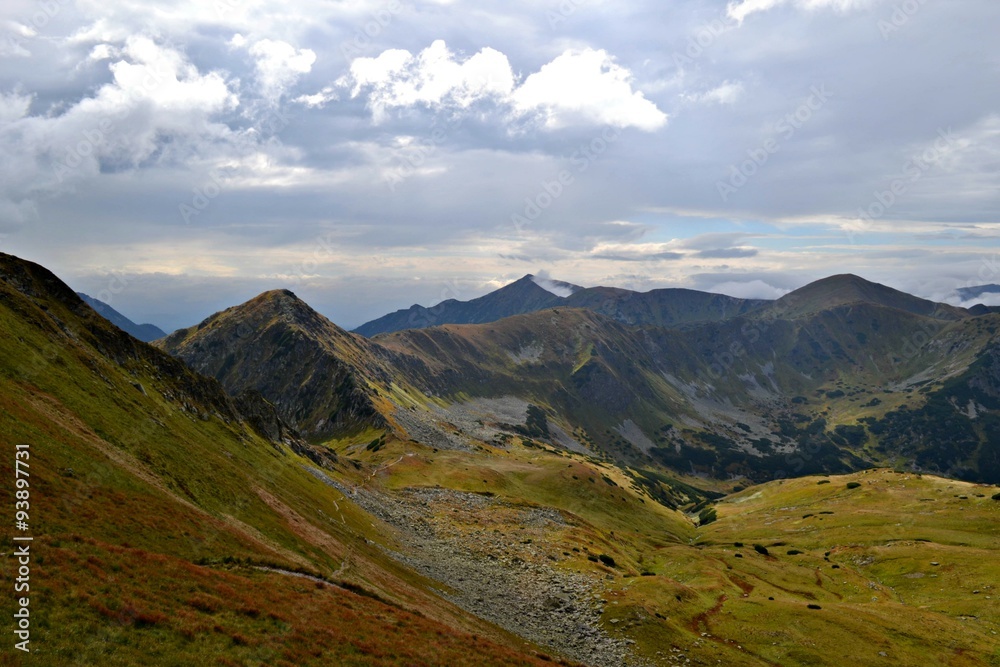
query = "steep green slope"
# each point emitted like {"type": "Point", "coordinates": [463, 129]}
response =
{"type": "Point", "coordinates": [824, 380]}
{"type": "Point", "coordinates": [156, 500]}
{"type": "Point", "coordinates": [153, 504]}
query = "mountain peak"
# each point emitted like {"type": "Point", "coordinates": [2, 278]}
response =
{"type": "Point", "coordinates": [275, 344]}
{"type": "Point", "coordinates": [524, 295]}
{"type": "Point", "coordinates": [849, 289]}
{"type": "Point", "coordinates": [281, 303]}
{"type": "Point", "coordinates": [278, 295]}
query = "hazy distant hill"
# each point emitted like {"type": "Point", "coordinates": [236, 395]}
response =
{"type": "Point", "coordinates": [847, 289]}
{"type": "Point", "coordinates": [969, 293]}
{"type": "Point", "coordinates": [842, 368]}
{"type": "Point", "coordinates": [162, 518]}
{"type": "Point", "coordinates": [144, 332]}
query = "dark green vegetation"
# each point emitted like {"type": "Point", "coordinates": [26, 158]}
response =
{"type": "Point", "coordinates": [837, 376]}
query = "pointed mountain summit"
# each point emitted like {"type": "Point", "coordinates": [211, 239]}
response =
{"type": "Point", "coordinates": [849, 289]}
{"type": "Point", "coordinates": [315, 373]}
{"type": "Point", "coordinates": [525, 295]}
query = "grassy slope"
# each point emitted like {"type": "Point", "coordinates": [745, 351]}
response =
{"type": "Point", "coordinates": [141, 498]}
{"type": "Point", "coordinates": [681, 590]}
{"type": "Point", "coordinates": [882, 599]}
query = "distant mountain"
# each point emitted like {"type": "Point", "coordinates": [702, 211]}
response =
{"type": "Point", "coordinates": [171, 513]}
{"type": "Point", "coordinates": [144, 332]}
{"type": "Point", "coordinates": [169, 521]}
{"type": "Point", "coordinates": [521, 296]}
{"type": "Point", "coordinates": [313, 371]}
{"type": "Point", "coordinates": [663, 307]}
{"type": "Point", "coordinates": [847, 289]}
{"type": "Point", "coordinates": [842, 369]}
{"type": "Point", "coordinates": [970, 293]}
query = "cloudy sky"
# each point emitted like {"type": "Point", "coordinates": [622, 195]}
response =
{"type": "Point", "coordinates": [177, 157]}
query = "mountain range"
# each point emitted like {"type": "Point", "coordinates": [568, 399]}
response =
{"type": "Point", "coordinates": [663, 307]}
{"type": "Point", "coordinates": [554, 487]}
{"type": "Point", "coordinates": [836, 376]}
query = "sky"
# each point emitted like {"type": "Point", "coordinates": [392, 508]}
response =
{"type": "Point", "coordinates": [176, 158]}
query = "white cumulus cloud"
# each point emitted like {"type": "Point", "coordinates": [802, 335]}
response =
{"type": "Point", "coordinates": [578, 87]}
{"type": "Point", "coordinates": [754, 289]}
{"type": "Point", "coordinates": [278, 64]}
{"type": "Point", "coordinates": [587, 86]}
{"type": "Point", "coordinates": [157, 106]}
{"type": "Point", "coordinates": [434, 77]}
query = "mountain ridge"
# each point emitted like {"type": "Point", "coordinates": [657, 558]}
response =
{"type": "Point", "coordinates": [666, 307]}
{"type": "Point", "coordinates": [147, 333]}
{"type": "Point", "coordinates": [741, 392]}
{"type": "Point", "coordinates": [168, 529]}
